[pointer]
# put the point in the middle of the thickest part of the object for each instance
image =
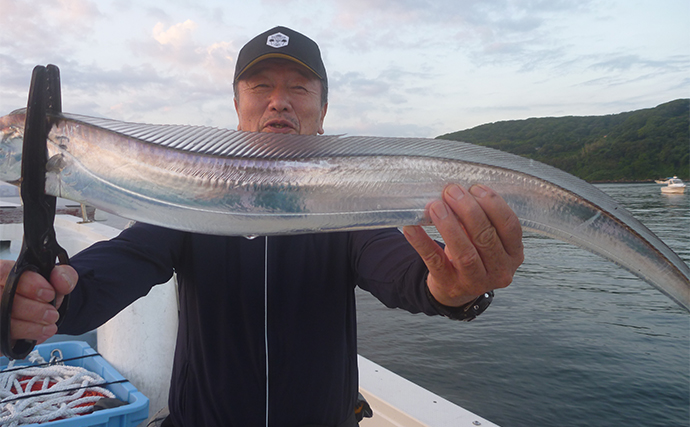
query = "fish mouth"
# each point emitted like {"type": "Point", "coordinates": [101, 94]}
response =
{"type": "Point", "coordinates": [279, 126]}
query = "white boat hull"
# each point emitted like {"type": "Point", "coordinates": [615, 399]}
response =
{"type": "Point", "coordinates": [673, 190]}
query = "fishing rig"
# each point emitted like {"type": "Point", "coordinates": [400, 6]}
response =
{"type": "Point", "coordinates": [40, 248]}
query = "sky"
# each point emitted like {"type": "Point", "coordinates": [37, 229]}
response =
{"type": "Point", "coordinates": [419, 68]}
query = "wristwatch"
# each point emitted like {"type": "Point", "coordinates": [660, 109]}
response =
{"type": "Point", "coordinates": [465, 312]}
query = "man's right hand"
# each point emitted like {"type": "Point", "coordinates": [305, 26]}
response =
{"type": "Point", "coordinates": [33, 314]}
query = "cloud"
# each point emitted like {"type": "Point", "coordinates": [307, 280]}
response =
{"type": "Point", "coordinates": [392, 63]}
{"type": "Point", "coordinates": [168, 75]}
{"type": "Point", "coordinates": [14, 73]}
{"type": "Point", "coordinates": [391, 86]}
{"type": "Point", "coordinates": [40, 28]}
{"type": "Point", "coordinates": [359, 83]}
{"type": "Point", "coordinates": [177, 35]}
{"type": "Point", "coordinates": [618, 62]}
{"type": "Point", "coordinates": [71, 11]}
{"type": "Point", "coordinates": [381, 104]}
{"type": "Point", "coordinates": [517, 35]}
{"type": "Point", "coordinates": [128, 77]}
{"type": "Point", "coordinates": [172, 46]}
{"type": "Point", "coordinates": [176, 48]}
{"type": "Point", "coordinates": [366, 123]}
{"type": "Point", "coordinates": [372, 23]}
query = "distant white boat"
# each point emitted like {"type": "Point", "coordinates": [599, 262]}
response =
{"type": "Point", "coordinates": [674, 186]}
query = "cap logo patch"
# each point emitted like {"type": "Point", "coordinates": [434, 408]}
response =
{"type": "Point", "coordinates": [277, 40]}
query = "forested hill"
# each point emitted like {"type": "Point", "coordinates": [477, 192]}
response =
{"type": "Point", "coordinates": [639, 145]}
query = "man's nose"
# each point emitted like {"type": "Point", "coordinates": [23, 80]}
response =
{"type": "Point", "coordinates": [280, 100]}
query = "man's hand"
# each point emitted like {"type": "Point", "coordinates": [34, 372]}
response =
{"type": "Point", "coordinates": [33, 314]}
{"type": "Point", "coordinates": [483, 244]}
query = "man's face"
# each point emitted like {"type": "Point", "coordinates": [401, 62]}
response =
{"type": "Point", "coordinates": [281, 96]}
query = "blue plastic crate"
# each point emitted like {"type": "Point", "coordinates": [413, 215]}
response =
{"type": "Point", "coordinates": [130, 415]}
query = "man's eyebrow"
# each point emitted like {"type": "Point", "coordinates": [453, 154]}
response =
{"type": "Point", "coordinates": [307, 74]}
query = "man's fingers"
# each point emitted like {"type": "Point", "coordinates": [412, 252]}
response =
{"type": "Point", "coordinates": [505, 253]}
{"type": "Point", "coordinates": [486, 248]}
{"type": "Point", "coordinates": [21, 329]}
{"type": "Point", "coordinates": [493, 229]}
{"type": "Point", "coordinates": [457, 231]}
{"type": "Point", "coordinates": [457, 264]}
{"type": "Point", "coordinates": [431, 253]}
{"type": "Point", "coordinates": [474, 218]}
{"type": "Point", "coordinates": [483, 244]}
{"type": "Point", "coordinates": [35, 311]}
{"type": "Point", "coordinates": [33, 315]}
{"type": "Point", "coordinates": [33, 285]}
{"type": "Point", "coordinates": [504, 220]}
{"type": "Point", "coordinates": [427, 248]}
{"type": "Point", "coordinates": [63, 278]}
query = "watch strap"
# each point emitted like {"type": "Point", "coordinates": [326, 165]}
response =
{"type": "Point", "coordinates": [466, 312]}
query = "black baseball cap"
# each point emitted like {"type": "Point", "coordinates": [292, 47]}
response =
{"type": "Point", "coordinates": [281, 42]}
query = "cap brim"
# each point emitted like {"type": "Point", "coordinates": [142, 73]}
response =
{"type": "Point", "coordinates": [276, 55]}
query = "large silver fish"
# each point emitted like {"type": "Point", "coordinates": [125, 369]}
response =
{"type": "Point", "coordinates": [227, 182]}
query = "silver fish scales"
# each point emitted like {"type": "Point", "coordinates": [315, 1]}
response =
{"type": "Point", "coordinates": [226, 182]}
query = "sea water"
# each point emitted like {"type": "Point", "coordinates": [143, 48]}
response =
{"type": "Point", "coordinates": [574, 341]}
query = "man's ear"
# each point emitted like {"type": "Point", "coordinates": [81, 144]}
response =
{"type": "Point", "coordinates": [323, 116]}
{"type": "Point", "coordinates": [237, 111]}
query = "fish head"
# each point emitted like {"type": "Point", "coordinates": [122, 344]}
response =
{"type": "Point", "coordinates": [11, 141]}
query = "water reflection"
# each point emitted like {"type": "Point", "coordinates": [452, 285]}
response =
{"type": "Point", "coordinates": [575, 341]}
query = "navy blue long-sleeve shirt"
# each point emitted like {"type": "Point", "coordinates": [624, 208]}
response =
{"type": "Point", "coordinates": [286, 299]}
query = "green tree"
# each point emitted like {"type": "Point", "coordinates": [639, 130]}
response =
{"type": "Point", "coordinates": [639, 145]}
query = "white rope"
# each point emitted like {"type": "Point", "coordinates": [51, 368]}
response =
{"type": "Point", "coordinates": [71, 383]}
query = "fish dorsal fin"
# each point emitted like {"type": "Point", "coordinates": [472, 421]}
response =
{"type": "Point", "coordinates": [212, 141]}
{"type": "Point", "coordinates": [226, 142]}
{"type": "Point", "coordinates": [205, 140]}
{"type": "Point", "coordinates": [216, 141]}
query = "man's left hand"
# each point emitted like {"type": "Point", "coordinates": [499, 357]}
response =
{"type": "Point", "coordinates": [483, 244]}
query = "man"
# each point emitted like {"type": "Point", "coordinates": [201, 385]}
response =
{"type": "Point", "coordinates": [267, 331]}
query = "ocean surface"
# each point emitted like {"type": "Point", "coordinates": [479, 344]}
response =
{"type": "Point", "coordinates": [574, 341]}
